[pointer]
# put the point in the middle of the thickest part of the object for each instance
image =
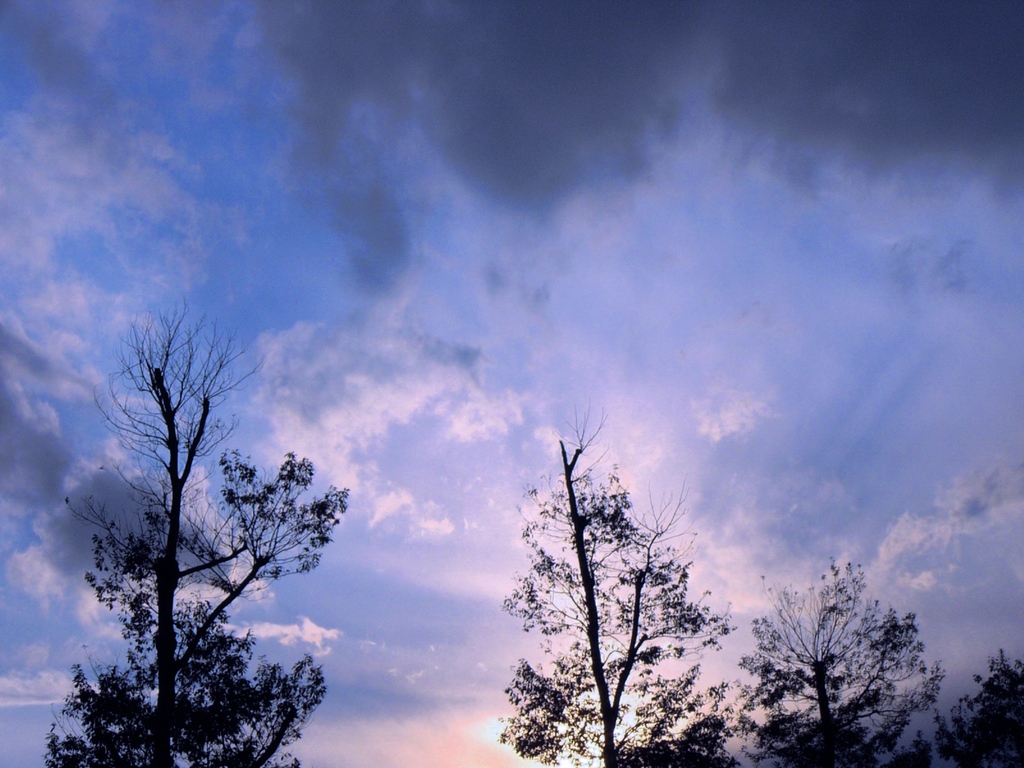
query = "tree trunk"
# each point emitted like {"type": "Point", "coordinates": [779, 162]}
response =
{"type": "Point", "coordinates": [167, 573]}
{"type": "Point", "coordinates": [609, 713]}
{"type": "Point", "coordinates": [166, 663]}
{"type": "Point", "coordinates": [828, 728]}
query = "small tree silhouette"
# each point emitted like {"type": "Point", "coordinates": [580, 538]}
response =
{"type": "Point", "coordinates": [987, 730]}
{"type": "Point", "coordinates": [837, 679]}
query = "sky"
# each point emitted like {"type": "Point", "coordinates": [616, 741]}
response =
{"type": "Point", "coordinates": [775, 249]}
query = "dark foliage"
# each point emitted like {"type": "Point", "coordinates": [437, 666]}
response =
{"type": "Point", "coordinates": [837, 678]}
{"type": "Point", "coordinates": [608, 591]}
{"type": "Point", "coordinates": [987, 730]}
{"type": "Point", "coordinates": [225, 718]}
{"type": "Point", "coordinates": [189, 692]}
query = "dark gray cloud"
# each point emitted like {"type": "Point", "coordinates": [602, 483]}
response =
{"type": "Point", "coordinates": [525, 102]}
{"type": "Point", "coordinates": [373, 222]}
{"type": "Point", "coordinates": [917, 265]}
{"type": "Point", "coordinates": [979, 493]}
{"type": "Point", "coordinates": [530, 102]}
{"type": "Point", "coordinates": [66, 537]}
{"type": "Point", "coordinates": [55, 45]}
{"type": "Point", "coordinates": [882, 83]}
{"type": "Point", "coordinates": [49, 45]}
{"type": "Point", "coordinates": [33, 456]}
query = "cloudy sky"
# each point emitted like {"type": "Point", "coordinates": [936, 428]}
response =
{"type": "Point", "coordinates": [777, 247]}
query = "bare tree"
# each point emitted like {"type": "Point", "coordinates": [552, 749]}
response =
{"type": "Point", "coordinates": [175, 563]}
{"type": "Point", "coordinates": [608, 591]}
{"type": "Point", "coordinates": [838, 678]}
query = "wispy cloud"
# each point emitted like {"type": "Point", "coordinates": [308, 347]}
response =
{"type": "Point", "coordinates": [729, 412]}
{"type": "Point", "coordinates": [972, 518]}
{"type": "Point", "coordinates": [46, 687]}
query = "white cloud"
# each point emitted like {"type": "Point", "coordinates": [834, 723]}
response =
{"type": "Point", "coordinates": [922, 581]}
{"type": "Point", "coordinates": [481, 416]}
{"type": "Point", "coordinates": [912, 534]}
{"type": "Point", "coordinates": [974, 518]}
{"type": "Point", "coordinates": [729, 412]}
{"type": "Point", "coordinates": [423, 520]}
{"type": "Point", "coordinates": [306, 631]}
{"type": "Point", "coordinates": [33, 571]}
{"type": "Point", "coordinates": [96, 618]}
{"type": "Point", "coordinates": [389, 504]}
{"type": "Point", "coordinates": [338, 396]}
{"type": "Point", "coordinates": [60, 182]}
{"type": "Point", "coordinates": [46, 687]}
{"type": "Point", "coordinates": [430, 527]}
{"type": "Point", "coordinates": [996, 494]}
{"type": "Point", "coordinates": [638, 298]}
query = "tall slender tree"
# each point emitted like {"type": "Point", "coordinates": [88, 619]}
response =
{"type": "Point", "coordinates": [608, 591]}
{"type": "Point", "coordinates": [174, 563]}
{"type": "Point", "coordinates": [837, 678]}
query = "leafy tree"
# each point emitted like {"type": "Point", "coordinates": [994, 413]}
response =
{"type": "Point", "coordinates": [173, 564]}
{"type": "Point", "coordinates": [608, 591]}
{"type": "Point", "coordinates": [987, 730]}
{"type": "Point", "coordinates": [838, 678]}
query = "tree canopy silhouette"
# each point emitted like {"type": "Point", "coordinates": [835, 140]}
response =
{"type": "Point", "coordinates": [173, 564]}
{"type": "Point", "coordinates": [987, 730]}
{"type": "Point", "coordinates": [837, 678]}
{"type": "Point", "coordinates": [608, 591]}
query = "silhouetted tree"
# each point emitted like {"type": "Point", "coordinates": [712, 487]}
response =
{"type": "Point", "coordinates": [174, 564]}
{"type": "Point", "coordinates": [608, 591]}
{"type": "Point", "coordinates": [838, 678]}
{"type": "Point", "coordinates": [987, 730]}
